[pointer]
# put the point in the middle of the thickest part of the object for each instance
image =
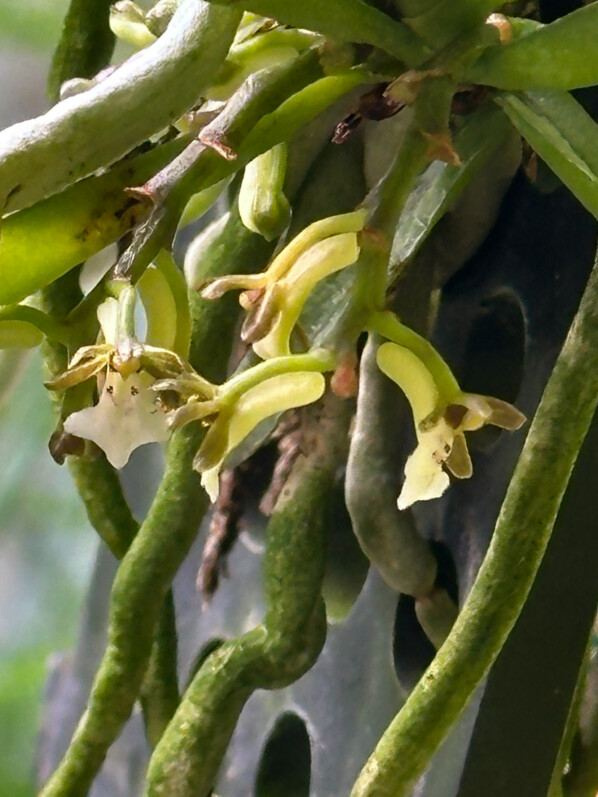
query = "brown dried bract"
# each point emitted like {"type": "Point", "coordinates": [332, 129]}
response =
{"type": "Point", "coordinates": [375, 105]}
{"type": "Point", "coordinates": [219, 144]}
{"type": "Point", "coordinates": [224, 530]}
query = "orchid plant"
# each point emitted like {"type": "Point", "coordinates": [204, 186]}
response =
{"type": "Point", "coordinates": [222, 113]}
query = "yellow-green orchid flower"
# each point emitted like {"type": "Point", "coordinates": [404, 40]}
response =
{"type": "Point", "coordinates": [234, 409]}
{"type": "Point", "coordinates": [441, 421]}
{"type": "Point", "coordinates": [274, 299]}
{"type": "Point", "coordinates": [128, 413]}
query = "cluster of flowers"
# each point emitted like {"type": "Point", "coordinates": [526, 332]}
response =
{"type": "Point", "coordinates": [145, 391]}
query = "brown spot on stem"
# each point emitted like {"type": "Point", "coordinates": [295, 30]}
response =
{"type": "Point", "coordinates": [220, 145]}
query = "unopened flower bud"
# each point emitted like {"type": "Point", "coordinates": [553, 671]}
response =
{"type": "Point", "coordinates": [263, 207]}
{"type": "Point", "coordinates": [158, 18]}
{"type": "Point", "coordinates": [127, 22]}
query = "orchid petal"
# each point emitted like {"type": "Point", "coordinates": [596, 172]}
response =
{"type": "Point", "coordinates": [412, 376]}
{"type": "Point", "coordinates": [108, 317]}
{"type": "Point", "coordinates": [78, 374]}
{"type": "Point", "coordinates": [274, 395]}
{"type": "Point", "coordinates": [504, 415]}
{"type": "Point", "coordinates": [459, 461]}
{"type": "Point", "coordinates": [425, 478]}
{"type": "Point", "coordinates": [125, 418]}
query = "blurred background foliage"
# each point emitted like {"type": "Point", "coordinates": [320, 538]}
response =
{"type": "Point", "coordinates": [46, 546]}
{"type": "Point", "coordinates": [31, 23]}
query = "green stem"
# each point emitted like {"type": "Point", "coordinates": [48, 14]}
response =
{"type": "Point", "coordinates": [159, 694]}
{"type": "Point", "coordinates": [384, 205]}
{"type": "Point", "coordinates": [320, 360]}
{"type": "Point", "coordinates": [100, 490]}
{"type": "Point", "coordinates": [582, 778]}
{"type": "Point", "coordinates": [569, 737]}
{"type": "Point", "coordinates": [85, 46]}
{"type": "Point", "coordinates": [142, 97]}
{"type": "Point", "coordinates": [140, 587]}
{"type": "Point", "coordinates": [387, 200]}
{"type": "Point", "coordinates": [389, 326]}
{"type": "Point", "coordinates": [99, 487]}
{"type": "Point", "coordinates": [522, 533]}
{"type": "Point", "coordinates": [279, 651]}
{"type": "Point", "coordinates": [51, 327]}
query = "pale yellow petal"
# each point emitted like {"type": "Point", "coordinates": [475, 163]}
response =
{"type": "Point", "coordinates": [425, 478]}
{"type": "Point", "coordinates": [108, 318]}
{"type": "Point", "coordinates": [278, 394]}
{"type": "Point", "coordinates": [210, 481]}
{"type": "Point", "coordinates": [412, 376]}
{"type": "Point", "coordinates": [125, 417]}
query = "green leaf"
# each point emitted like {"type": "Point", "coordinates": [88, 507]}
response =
{"type": "Point", "coordinates": [563, 135]}
{"type": "Point", "coordinates": [483, 134]}
{"type": "Point", "coordinates": [85, 46]}
{"type": "Point", "coordinates": [345, 21]}
{"type": "Point", "coordinates": [441, 22]}
{"type": "Point", "coordinates": [561, 55]}
{"type": "Point", "coordinates": [43, 242]}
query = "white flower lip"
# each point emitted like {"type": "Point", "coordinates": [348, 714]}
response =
{"type": "Point", "coordinates": [126, 416]}
{"type": "Point", "coordinates": [440, 425]}
{"type": "Point", "coordinates": [128, 413]}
